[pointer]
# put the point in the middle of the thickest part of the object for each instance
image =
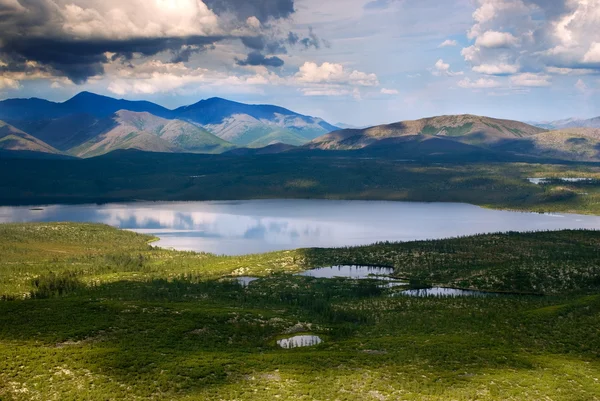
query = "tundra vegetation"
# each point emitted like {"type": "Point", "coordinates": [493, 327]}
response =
{"type": "Point", "coordinates": [91, 312]}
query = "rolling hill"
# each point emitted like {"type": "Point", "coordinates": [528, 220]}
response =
{"type": "Point", "coordinates": [144, 131]}
{"type": "Point", "coordinates": [254, 125]}
{"type": "Point", "coordinates": [582, 144]}
{"type": "Point", "coordinates": [569, 123]}
{"type": "Point", "coordinates": [79, 119]}
{"type": "Point", "coordinates": [468, 129]}
{"type": "Point", "coordinates": [14, 139]}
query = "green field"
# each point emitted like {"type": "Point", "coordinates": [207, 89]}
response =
{"type": "Point", "coordinates": [94, 313]}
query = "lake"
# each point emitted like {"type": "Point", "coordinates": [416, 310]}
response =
{"type": "Point", "coordinates": [243, 227]}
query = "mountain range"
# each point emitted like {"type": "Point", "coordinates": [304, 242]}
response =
{"type": "Point", "coordinates": [475, 137]}
{"type": "Point", "coordinates": [89, 125]}
{"type": "Point", "coordinates": [569, 123]}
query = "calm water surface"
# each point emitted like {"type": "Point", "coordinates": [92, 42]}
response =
{"type": "Point", "coordinates": [299, 341]}
{"type": "Point", "coordinates": [355, 272]}
{"type": "Point", "coordinates": [243, 227]}
{"type": "Point", "coordinates": [446, 292]}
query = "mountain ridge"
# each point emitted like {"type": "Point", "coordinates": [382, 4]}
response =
{"type": "Point", "coordinates": [254, 124]}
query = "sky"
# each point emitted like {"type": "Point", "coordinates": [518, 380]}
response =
{"type": "Point", "coordinates": [357, 62]}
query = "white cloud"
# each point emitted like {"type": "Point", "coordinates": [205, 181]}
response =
{"type": "Point", "coordinates": [481, 83]}
{"type": "Point", "coordinates": [9, 83]}
{"type": "Point", "coordinates": [386, 91]}
{"type": "Point", "coordinates": [112, 19]}
{"type": "Point", "coordinates": [537, 35]}
{"type": "Point", "coordinates": [154, 76]}
{"type": "Point", "coordinates": [494, 39]}
{"type": "Point", "coordinates": [448, 43]}
{"type": "Point", "coordinates": [443, 69]}
{"type": "Point", "coordinates": [569, 71]}
{"type": "Point", "coordinates": [530, 80]}
{"type": "Point", "coordinates": [593, 55]}
{"type": "Point", "coordinates": [331, 73]}
{"type": "Point", "coordinates": [496, 69]}
{"type": "Point", "coordinates": [581, 86]}
{"type": "Point", "coordinates": [253, 22]}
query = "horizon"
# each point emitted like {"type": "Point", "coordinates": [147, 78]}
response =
{"type": "Point", "coordinates": [367, 63]}
{"type": "Point", "coordinates": [531, 121]}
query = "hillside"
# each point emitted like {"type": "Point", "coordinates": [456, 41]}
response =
{"type": "Point", "coordinates": [83, 117]}
{"type": "Point", "coordinates": [14, 139]}
{"type": "Point", "coordinates": [570, 123]}
{"type": "Point", "coordinates": [581, 144]}
{"type": "Point", "coordinates": [144, 131]}
{"type": "Point", "coordinates": [469, 129]}
{"type": "Point", "coordinates": [254, 125]}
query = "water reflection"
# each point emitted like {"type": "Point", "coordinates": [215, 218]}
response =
{"type": "Point", "coordinates": [299, 341]}
{"type": "Point", "coordinates": [539, 181]}
{"type": "Point", "coordinates": [236, 228]}
{"type": "Point", "coordinates": [355, 272]}
{"type": "Point", "coordinates": [446, 292]}
{"type": "Point", "coordinates": [245, 281]}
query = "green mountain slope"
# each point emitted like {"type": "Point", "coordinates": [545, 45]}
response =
{"type": "Point", "coordinates": [582, 144]}
{"type": "Point", "coordinates": [470, 129]}
{"type": "Point", "coordinates": [144, 131]}
{"type": "Point", "coordinates": [12, 138]}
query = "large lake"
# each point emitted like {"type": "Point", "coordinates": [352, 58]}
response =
{"type": "Point", "coordinates": [242, 227]}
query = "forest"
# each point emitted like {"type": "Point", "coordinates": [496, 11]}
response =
{"type": "Point", "coordinates": [92, 312]}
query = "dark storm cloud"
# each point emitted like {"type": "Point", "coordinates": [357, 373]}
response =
{"type": "Point", "coordinates": [34, 30]}
{"type": "Point", "coordinates": [79, 60]}
{"type": "Point", "coordinates": [257, 58]}
{"type": "Point", "coordinates": [261, 9]}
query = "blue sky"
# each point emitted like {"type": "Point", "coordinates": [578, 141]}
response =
{"type": "Point", "coordinates": [359, 62]}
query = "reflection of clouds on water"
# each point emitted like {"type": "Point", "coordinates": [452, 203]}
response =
{"type": "Point", "coordinates": [262, 226]}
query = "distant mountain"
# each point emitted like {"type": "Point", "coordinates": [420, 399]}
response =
{"type": "Point", "coordinates": [468, 129]}
{"type": "Point", "coordinates": [569, 123]}
{"type": "Point", "coordinates": [581, 144]}
{"type": "Point", "coordinates": [79, 119]}
{"type": "Point", "coordinates": [144, 131]}
{"type": "Point", "coordinates": [254, 125]}
{"type": "Point", "coordinates": [14, 139]}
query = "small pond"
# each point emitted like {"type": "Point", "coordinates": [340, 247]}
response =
{"type": "Point", "coordinates": [355, 272]}
{"type": "Point", "coordinates": [245, 281]}
{"type": "Point", "coordinates": [446, 292]}
{"type": "Point", "coordinates": [299, 341]}
{"type": "Point", "coordinates": [539, 181]}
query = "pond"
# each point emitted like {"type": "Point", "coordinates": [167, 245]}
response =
{"type": "Point", "coordinates": [355, 272]}
{"type": "Point", "coordinates": [245, 281]}
{"type": "Point", "coordinates": [243, 227]}
{"type": "Point", "coordinates": [299, 341]}
{"type": "Point", "coordinates": [539, 181]}
{"type": "Point", "coordinates": [446, 292]}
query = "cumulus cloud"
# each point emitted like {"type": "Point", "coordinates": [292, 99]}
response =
{"type": "Point", "coordinates": [530, 80]}
{"type": "Point", "coordinates": [331, 73]}
{"type": "Point", "coordinates": [535, 35]}
{"type": "Point", "coordinates": [496, 69]}
{"type": "Point", "coordinates": [494, 39]}
{"type": "Point", "coordinates": [386, 91]}
{"type": "Point", "coordinates": [153, 77]}
{"type": "Point", "coordinates": [448, 43]}
{"type": "Point", "coordinates": [331, 79]}
{"type": "Point", "coordinates": [581, 86]}
{"type": "Point", "coordinates": [78, 38]}
{"type": "Point", "coordinates": [443, 69]}
{"type": "Point", "coordinates": [8, 83]}
{"type": "Point", "coordinates": [481, 83]}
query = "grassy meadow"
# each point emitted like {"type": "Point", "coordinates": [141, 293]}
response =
{"type": "Point", "coordinates": [93, 313]}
